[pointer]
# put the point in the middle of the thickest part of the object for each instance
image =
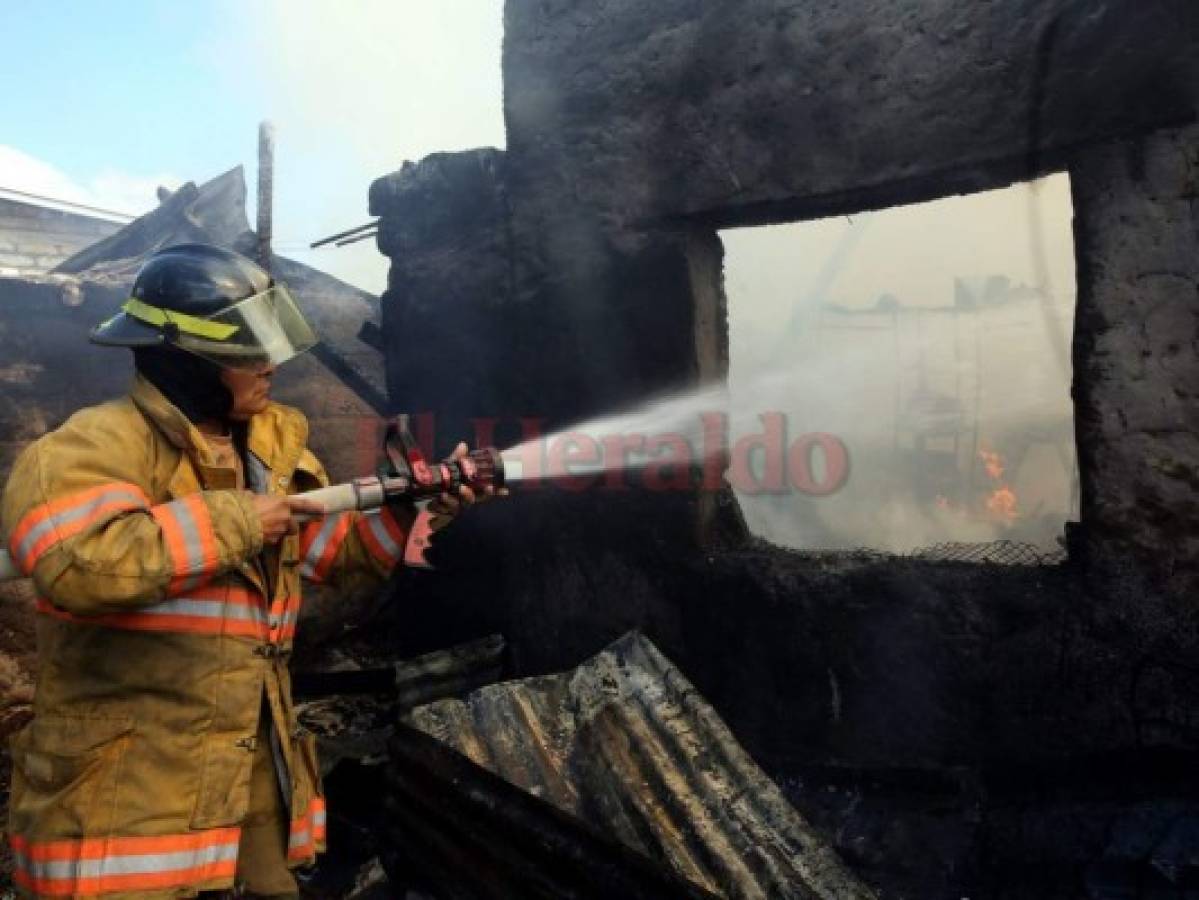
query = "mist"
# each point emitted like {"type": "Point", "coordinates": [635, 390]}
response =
{"type": "Point", "coordinates": [934, 340]}
{"type": "Point", "coordinates": [354, 90]}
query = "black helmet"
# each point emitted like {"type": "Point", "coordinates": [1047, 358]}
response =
{"type": "Point", "coordinates": [213, 303]}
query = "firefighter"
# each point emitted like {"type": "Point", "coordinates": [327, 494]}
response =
{"type": "Point", "coordinates": [164, 757]}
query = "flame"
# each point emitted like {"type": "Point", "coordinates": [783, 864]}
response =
{"type": "Point", "coordinates": [943, 502]}
{"type": "Point", "coordinates": [1002, 504]}
{"type": "Point", "coordinates": [993, 462]}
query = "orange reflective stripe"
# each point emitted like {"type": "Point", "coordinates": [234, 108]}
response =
{"type": "Point", "coordinates": [383, 536]}
{"type": "Point", "coordinates": [286, 613]}
{"type": "Point", "coordinates": [307, 831]}
{"type": "Point", "coordinates": [212, 610]}
{"type": "Point", "coordinates": [94, 866]}
{"type": "Point", "coordinates": [187, 529]}
{"type": "Point", "coordinates": [320, 542]}
{"type": "Point", "coordinates": [49, 524]}
{"type": "Point", "coordinates": [318, 818]}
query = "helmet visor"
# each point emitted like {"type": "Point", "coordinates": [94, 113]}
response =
{"type": "Point", "coordinates": [264, 330]}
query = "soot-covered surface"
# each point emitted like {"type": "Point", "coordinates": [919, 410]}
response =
{"type": "Point", "coordinates": [957, 729]}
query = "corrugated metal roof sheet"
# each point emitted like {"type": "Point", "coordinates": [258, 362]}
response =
{"type": "Point", "coordinates": [627, 744]}
{"type": "Point", "coordinates": [67, 206]}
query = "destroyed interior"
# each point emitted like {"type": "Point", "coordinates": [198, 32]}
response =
{"type": "Point", "coordinates": [827, 524]}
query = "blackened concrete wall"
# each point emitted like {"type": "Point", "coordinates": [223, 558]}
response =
{"type": "Point", "coordinates": [1136, 352]}
{"type": "Point", "coordinates": [758, 110]}
{"type": "Point", "coordinates": [950, 710]}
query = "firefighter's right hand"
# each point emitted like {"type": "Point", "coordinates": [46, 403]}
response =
{"type": "Point", "coordinates": [281, 516]}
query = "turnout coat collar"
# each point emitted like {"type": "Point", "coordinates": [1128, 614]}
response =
{"type": "Point", "coordinates": [277, 436]}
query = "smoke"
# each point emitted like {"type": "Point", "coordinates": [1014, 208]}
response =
{"type": "Point", "coordinates": [939, 333]}
{"type": "Point", "coordinates": [354, 89]}
{"type": "Point", "coordinates": [949, 395]}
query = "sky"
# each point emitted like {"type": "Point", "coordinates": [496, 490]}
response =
{"type": "Point", "coordinates": [117, 98]}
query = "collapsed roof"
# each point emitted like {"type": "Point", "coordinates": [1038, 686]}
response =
{"type": "Point", "coordinates": [215, 213]}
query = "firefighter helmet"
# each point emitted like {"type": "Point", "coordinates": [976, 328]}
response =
{"type": "Point", "coordinates": [213, 303]}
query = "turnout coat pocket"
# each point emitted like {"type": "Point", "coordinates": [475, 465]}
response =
{"type": "Point", "coordinates": [66, 771]}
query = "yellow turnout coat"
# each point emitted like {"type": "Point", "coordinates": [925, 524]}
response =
{"type": "Point", "coordinates": [163, 631]}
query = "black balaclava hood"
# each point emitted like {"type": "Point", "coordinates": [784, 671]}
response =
{"type": "Point", "coordinates": [191, 383]}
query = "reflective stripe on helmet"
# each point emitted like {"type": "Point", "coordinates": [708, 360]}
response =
{"type": "Point", "coordinates": [154, 315]}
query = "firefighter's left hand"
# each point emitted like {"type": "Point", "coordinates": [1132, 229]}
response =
{"type": "Point", "coordinates": [447, 506]}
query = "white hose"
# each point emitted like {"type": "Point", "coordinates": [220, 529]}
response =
{"type": "Point", "coordinates": [335, 498]}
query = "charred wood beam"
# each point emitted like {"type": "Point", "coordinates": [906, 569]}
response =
{"type": "Point", "coordinates": [470, 835]}
{"type": "Point", "coordinates": [354, 240]}
{"type": "Point", "coordinates": [343, 234]}
{"type": "Point", "coordinates": [266, 192]}
{"type": "Point", "coordinates": [372, 335]}
{"type": "Point", "coordinates": [452, 672]}
{"type": "Point", "coordinates": [433, 676]}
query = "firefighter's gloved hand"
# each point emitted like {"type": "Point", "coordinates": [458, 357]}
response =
{"type": "Point", "coordinates": [446, 507]}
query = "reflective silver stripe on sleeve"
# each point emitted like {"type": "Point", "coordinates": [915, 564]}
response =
{"type": "Point", "coordinates": [374, 521]}
{"type": "Point", "coordinates": [195, 564]}
{"type": "Point", "coordinates": [319, 543]}
{"type": "Point", "coordinates": [74, 513]}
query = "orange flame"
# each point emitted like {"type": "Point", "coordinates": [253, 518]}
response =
{"type": "Point", "coordinates": [1002, 504]}
{"type": "Point", "coordinates": [993, 462]}
{"type": "Point", "coordinates": [943, 502]}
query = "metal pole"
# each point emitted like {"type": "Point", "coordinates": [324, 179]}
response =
{"type": "Point", "coordinates": [266, 191]}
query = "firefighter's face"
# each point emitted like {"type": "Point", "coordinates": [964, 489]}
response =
{"type": "Point", "coordinates": [251, 390]}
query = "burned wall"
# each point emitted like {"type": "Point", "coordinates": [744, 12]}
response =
{"type": "Point", "coordinates": [634, 131]}
{"type": "Point", "coordinates": [769, 110]}
{"type": "Point", "coordinates": [1136, 344]}
{"type": "Point", "coordinates": [48, 369]}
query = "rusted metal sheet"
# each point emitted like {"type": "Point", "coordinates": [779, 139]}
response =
{"type": "Point", "coordinates": [627, 744]}
{"type": "Point", "coordinates": [464, 833]}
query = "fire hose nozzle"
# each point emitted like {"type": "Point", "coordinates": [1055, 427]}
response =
{"type": "Point", "coordinates": [478, 470]}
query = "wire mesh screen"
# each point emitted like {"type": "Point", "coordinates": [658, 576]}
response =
{"type": "Point", "coordinates": [995, 553]}
{"type": "Point", "coordinates": [1000, 553]}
